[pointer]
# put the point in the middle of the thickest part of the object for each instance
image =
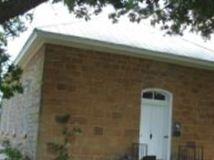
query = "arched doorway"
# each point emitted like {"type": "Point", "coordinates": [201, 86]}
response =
{"type": "Point", "coordinates": [155, 123]}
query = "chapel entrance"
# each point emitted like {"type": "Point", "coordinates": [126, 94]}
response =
{"type": "Point", "coordinates": [155, 130]}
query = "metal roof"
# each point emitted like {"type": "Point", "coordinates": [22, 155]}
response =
{"type": "Point", "coordinates": [121, 38]}
{"type": "Point", "coordinates": [135, 35]}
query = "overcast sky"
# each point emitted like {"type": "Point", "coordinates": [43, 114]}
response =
{"type": "Point", "coordinates": [48, 14]}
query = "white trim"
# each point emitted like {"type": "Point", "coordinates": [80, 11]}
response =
{"type": "Point", "coordinates": [39, 37]}
{"type": "Point", "coordinates": [170, 104]}
{"type": "Point", "coordinates": [32, 45]}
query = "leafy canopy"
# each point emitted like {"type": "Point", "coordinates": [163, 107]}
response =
{"type": "Point", "coordinates": [174, 16]}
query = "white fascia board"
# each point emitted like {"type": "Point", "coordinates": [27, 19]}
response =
{"type": "Point", "coordinates": [32, 45]}
{"type": "Point", "coordinates": [39, 37]}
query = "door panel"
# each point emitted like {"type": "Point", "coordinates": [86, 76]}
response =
{"type": "Point", "coordinates": [154, 129]}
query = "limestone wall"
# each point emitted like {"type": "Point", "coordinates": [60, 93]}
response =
{"type": "Point", "coordinates": [20, 114]}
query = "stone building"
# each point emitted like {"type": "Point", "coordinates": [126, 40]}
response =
{"type": "Point", "coordinates": [126, 96]}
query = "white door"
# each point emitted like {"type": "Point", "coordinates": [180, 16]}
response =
{"type": "Point", "coordinates": [155, 127]}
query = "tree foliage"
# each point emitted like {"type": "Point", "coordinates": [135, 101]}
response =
{"type": "Point", "coordinates": [9, 73]}
{"type": "Point", "coordinates": [174, 16]}
{"type": "Point", "coordinates": [60, 150]}
{"type": "Point", "coordinates": [12, 153]}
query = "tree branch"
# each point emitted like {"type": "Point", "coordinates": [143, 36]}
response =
{"type": "Point", "coordinates": [12, 8]}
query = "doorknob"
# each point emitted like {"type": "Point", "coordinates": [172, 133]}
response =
{"type": "Point", "coordinates": [150, 136]}
{"type": "Point", "coordinates": [166, 136]}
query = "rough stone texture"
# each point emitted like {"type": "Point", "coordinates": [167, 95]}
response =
{"type": "Point", "coordinates": [20, 114]}
{"type": "Point", "coordinates": [102, 92]}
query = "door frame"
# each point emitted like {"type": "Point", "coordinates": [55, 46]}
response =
{"type": "Point", "coordinates": [170, 103]}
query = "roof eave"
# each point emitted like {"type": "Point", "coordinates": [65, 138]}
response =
{"type": "Point", "coordinates": [39, 37]}
{"type": "Point", "coordinates": [33, 43]}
